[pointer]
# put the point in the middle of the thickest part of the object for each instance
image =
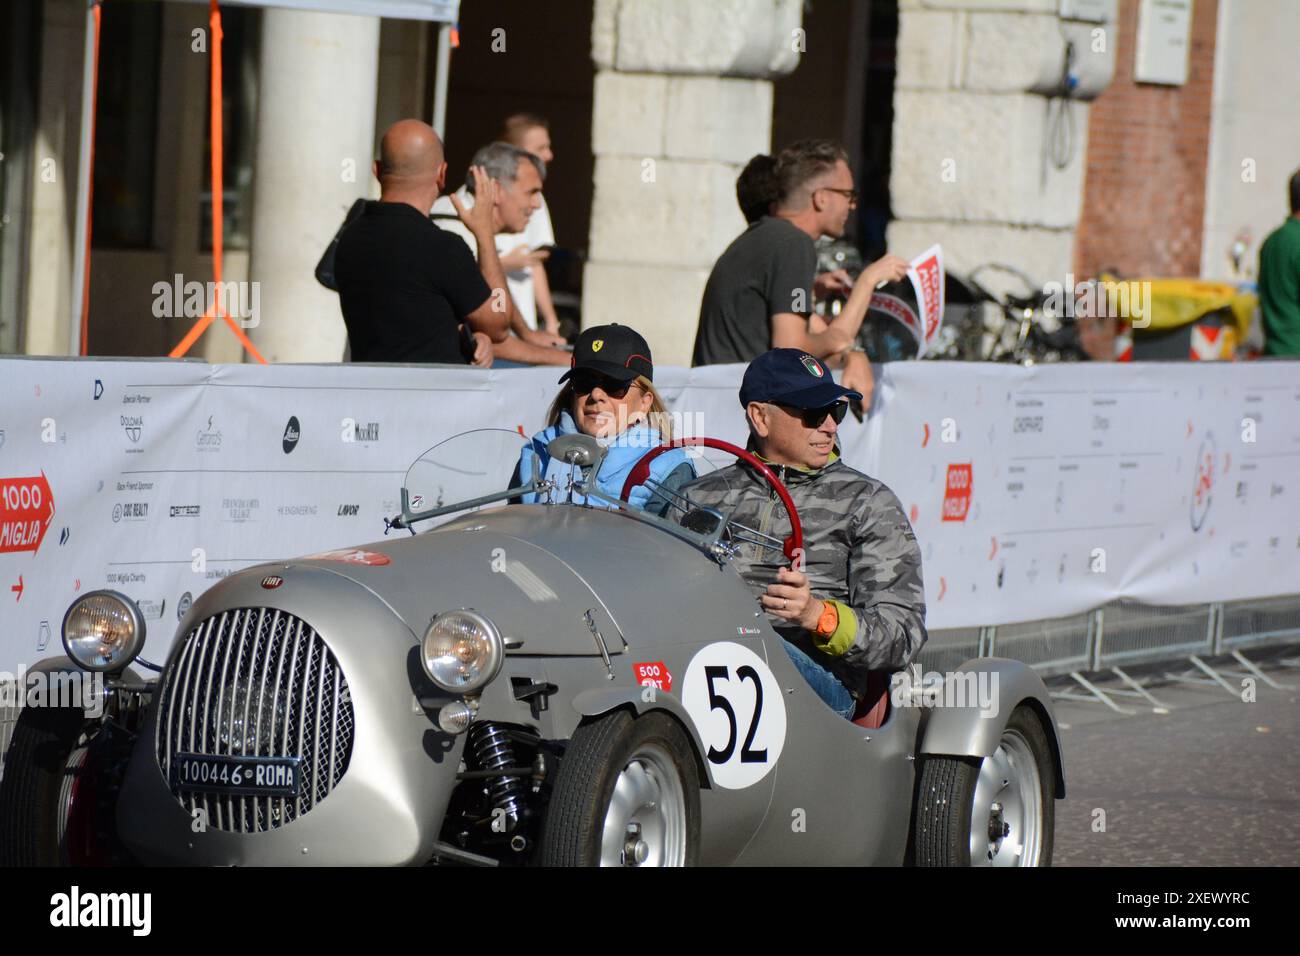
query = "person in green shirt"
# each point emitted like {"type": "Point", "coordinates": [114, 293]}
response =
{"type": "Point", "coordinates": [1279, 282]}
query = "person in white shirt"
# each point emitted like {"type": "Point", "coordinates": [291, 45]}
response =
{"type": "Point", "coordinates": [516, 180]}
{"type": "Point", "coordinates": [523, 255]}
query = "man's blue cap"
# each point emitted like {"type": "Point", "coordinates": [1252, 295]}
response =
{"type": "Point", "coordinates": [791, 377]}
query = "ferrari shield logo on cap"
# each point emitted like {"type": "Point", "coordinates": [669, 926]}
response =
{"type": "Point", "coordinates": [597, 344]}
{"type": "Point", "coordinates": [811, 364]}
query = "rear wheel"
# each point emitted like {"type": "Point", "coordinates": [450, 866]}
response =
{"type": "Point", "coordinates": [991, 811]}
{"type": "Point", "coordinates": [627, 794]}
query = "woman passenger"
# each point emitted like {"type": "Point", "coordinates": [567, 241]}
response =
{"type": "Point", "coordinates": [609, 395]}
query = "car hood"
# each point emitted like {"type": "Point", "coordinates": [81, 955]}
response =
{"type": "Point", "coordinates": [538, 601]}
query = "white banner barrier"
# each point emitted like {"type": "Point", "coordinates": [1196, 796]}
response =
{"type": "Point", "coordinates": [1034, 493]}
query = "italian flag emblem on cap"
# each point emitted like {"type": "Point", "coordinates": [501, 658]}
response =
{"type": "Point", "coordinates": [812, 365]}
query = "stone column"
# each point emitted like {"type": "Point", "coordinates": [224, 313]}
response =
{"type": "Point", "coordinates": [683, 99]}
{"type": "Point", "coordinates": [983, 162]}
{"type": "Point", "coordinates": [315, 144]}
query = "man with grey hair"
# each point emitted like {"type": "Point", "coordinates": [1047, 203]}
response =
{"type": "Point", "coordinates": [514, 190]}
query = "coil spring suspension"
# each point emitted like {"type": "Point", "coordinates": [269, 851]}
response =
{"type": "Point", "coordinates": [493, 751]}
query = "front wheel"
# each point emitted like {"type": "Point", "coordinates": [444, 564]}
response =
{"type": "Point", "coordinates": [49, 813]}
{"type": "Point", "coordinates": [627, 794]}
{"type": "Point", "coordinates": [991, 811]}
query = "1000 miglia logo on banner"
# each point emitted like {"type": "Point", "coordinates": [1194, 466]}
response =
{"type": "Point", "coordinates": [26, 509]}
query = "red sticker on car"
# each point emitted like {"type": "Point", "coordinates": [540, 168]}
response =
{"type": "Point", "coordinates": [352, 556]}
{"type": "Point", "coordinates": [653, 674]}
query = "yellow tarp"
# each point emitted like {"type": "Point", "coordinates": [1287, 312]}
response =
{"type": "Point", "coordinates": [1176, 302]}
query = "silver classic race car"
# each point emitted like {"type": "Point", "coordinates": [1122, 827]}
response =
{"type": "Point", "coordinates": [575, 682]}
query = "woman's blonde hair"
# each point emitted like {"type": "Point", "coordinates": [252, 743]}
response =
{"type": "Point", "coordinates": [659, 418]}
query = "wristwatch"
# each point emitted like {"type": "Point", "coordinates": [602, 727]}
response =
{"type": "Point", "coordinates": [829, 621]}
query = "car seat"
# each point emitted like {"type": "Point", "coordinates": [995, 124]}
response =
{"type": "Point", "coordinates": [873, 706]}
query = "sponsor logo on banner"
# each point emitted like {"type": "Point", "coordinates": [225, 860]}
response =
{"type": "Point", "coordinates": [926, 274]}
{"type": "Point", "coordinates": [183, 605]}
{"type": "Point", "coordinates": [184, 511]}
{"type": "Point", "coordinates": [352, 556]}
{"type": "Point", "coordinates": [365, 431]}
{"type": "Point", "coordinates": [348, 511]}
{"type": "Point", "coordinates": [297, 511]}
{"type": "Point", "coordinates": [1203, 482]}
{"type": "Point", "coordinates": [133, 428]}
{"type": "Point", "coordinates": [131, 511]}
{"type": "Point", "coordinates": [653, 674]}
{"type": "Point", "coordinates": [956, 494]}
{"type": "Point", "coordinates": [208, 438]}
{"type": "Point", "coordinates": [292, 433]}
{"type": "Point", "coordinates": [240, 510]}
{"type": "Point", "coordinates": [26, 509]}
{"type": "Point", "coordinates": [150, 609]}
{"type": "Point", "coordinates": [1028, 423]}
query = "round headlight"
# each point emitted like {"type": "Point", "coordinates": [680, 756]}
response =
{"type": "Point", "coordinates": [463, 651]}
{"type": "Point", "coordinates": [103, 631]}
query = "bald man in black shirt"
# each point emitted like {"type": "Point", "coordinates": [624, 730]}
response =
{"type": "Point", "coordinates": [405, 285]}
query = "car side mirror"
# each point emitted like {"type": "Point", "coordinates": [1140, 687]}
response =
{"type": "Point", "coordinates": [581, 450]}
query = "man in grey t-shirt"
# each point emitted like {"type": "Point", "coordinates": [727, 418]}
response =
{"type": "Point", "coordinates": [760, 293]}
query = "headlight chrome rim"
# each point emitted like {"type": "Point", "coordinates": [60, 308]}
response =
{"type": "Point", "coordinates": [490, 650]}
{"type": "Point", "coordinates": [79, 647]}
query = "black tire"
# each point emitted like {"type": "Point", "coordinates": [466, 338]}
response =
{"type": "Point", "coordinates": [31, 796]}
{"type": "Point", "coordinates": [598, 753]}
{"type": "Point", "coordinates": [945, 799]}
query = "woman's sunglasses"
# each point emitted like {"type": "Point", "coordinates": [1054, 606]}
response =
{"type": "Point", "coordinates": [813, 417]}
{"type": "Point", "coordinates": [586, 382]}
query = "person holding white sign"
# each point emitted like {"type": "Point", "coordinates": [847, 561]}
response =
{"type": "Point", "coordinates": [760, 293]}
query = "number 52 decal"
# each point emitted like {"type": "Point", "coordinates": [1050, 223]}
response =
{"type": "Point", "coordinates": [737, 706]}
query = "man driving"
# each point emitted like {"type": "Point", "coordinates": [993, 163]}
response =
{"type": "Point", "coordinates": [853, 602]}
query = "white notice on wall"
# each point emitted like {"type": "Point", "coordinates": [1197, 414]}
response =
{"type": "Point", "coordinates": [1163, 39]}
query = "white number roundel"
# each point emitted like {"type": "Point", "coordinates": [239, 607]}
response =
{"type": "Point", "coordinates": [739, 711]}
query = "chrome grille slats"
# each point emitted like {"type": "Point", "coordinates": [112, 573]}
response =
{"type": "Point", "coordinates": [272, 642]}
{"type": "Point", "coordinates": [206, 707]}
{"type": "Point", "coordinates": [316, 723]}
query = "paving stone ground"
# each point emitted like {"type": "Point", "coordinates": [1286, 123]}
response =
{"type": "Point", "coordinates": [1214, 782]}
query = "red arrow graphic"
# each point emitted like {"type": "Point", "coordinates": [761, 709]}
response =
{"type": "Point", "coordinates": [26, 509]}
{"type": "Point", "coordinates": [926, 440]}
{"type": "Point", "coordinates": [19, 588]}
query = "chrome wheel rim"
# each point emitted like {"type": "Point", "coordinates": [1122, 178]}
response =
{"type": "Point", "coordinates": [1006, 823]}
{"type": "Point", "coordinates": [645, 822]}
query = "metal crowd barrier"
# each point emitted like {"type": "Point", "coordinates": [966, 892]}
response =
{"type": "Point", "coordinates": [1126, 634]}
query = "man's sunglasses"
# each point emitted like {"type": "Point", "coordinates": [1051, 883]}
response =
{"type": "Point", "coordinates": [850, 194]}
{"type": "Point", "coordinates": [586, 382]}
{"type": "Point", "coordinates": [813, 417]}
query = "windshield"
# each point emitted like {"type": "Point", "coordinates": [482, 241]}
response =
{"type": "Point", "coordinates": [485, 467]}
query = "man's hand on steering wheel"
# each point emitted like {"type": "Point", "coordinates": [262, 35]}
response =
{"type": "Point", "coordinates": [790, 599]}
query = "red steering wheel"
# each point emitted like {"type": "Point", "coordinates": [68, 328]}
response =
{"type": "Point", "coordinates": [641, 471]}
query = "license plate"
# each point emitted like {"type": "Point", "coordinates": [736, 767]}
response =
{"type": "Point", "coordinates": [240, 776]}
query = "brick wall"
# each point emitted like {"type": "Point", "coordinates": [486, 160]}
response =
{"type": "Point", "coordinates": [1148, 146]}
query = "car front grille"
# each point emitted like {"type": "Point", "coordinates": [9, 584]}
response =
{"type": "Point", "coordinates": [256, 682]}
